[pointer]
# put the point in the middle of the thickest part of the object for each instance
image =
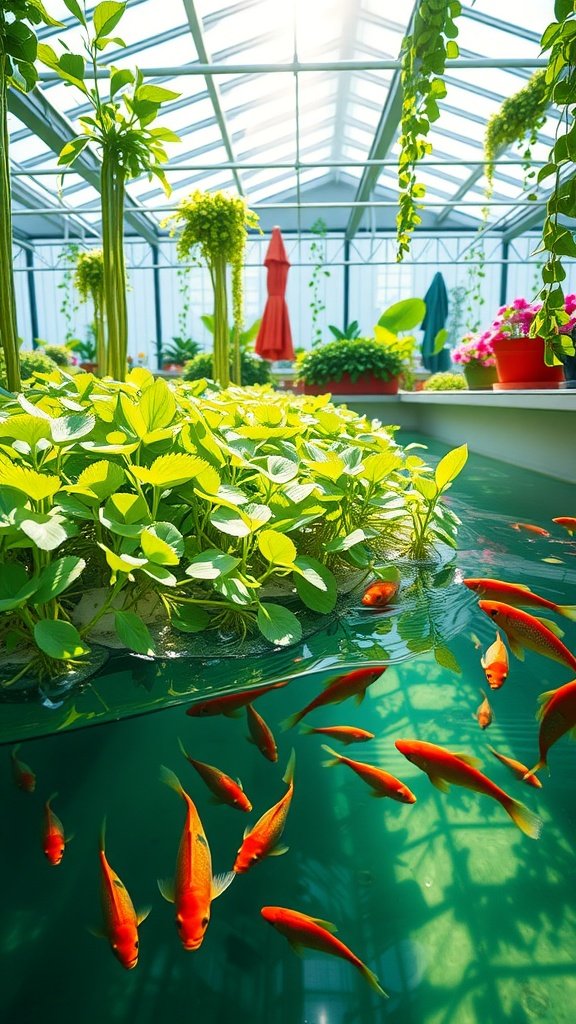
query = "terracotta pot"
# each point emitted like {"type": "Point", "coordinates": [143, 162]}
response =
{"type": "Point", "coordinates": [520, 364]}
{"type": "Point", "coordinates": [366, 384]}
{"type": "Point", "coordinates": [480, 377]}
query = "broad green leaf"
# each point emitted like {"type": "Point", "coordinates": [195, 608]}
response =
{"type": "Point", "coordinates": [127, 508]}
{"type": "Point", "coordinates": [57, 577]}
{"type": "Point", "coordinates": [59, 639]}
{"type": "Point", "coordinates": [277, 468]}
{"type": "Point", "coordinates": [189, 618]}
{"type": "Point", "coordinates": [98, 481]}
{"type": "Point", "coordinates": [75, 9]}
{"type": "Point", "coordinates": [377, 467]}
{"type": "Point", "coordinates": [37, 486]}
{"type": "Point", "coordinates": [119, 78]}
{"type": "Point", "coordinates": [277, 548]}
{"type": "Point", "coordinates": [121, 563]}
{"type": "Point", "coordinates": [133, 632]}
{"type": "Point", "coordinates": [157, 405]}
{"type": "Point", "coordinates": [130, 413]}
{"type": "Point", "coordinates": [234, 590]}
{"type": "Point", "coordinates": [298, 492]}
{"type": "Point", "coordinates": [230, 521]}
{"type": "Point", "coordinates": [441, 337]}
{"type": "Point", "coordinates": [162, 543]}
{"type": "Point", "coordinates": [315, 584]}
{"type": "Point", "coordinates": [389, 573]}
{"type": "Point", "coordinates": [345, 543]}
{"type": "Point", "coordinates": [15, 586]}
{"type": "Point", "coordinates": [446, 659]}
{"type": "Point", "coordinates": [106, 16]}
{"type": "Point", "coordinates": [159, 573]}
{"type": "Point", "coordinates": [450, 466]}
{"type": "Point", "coordinates": [46, 532]}
{"type": "Point", "coordinates": [403, 315]}
{"type": "Point", "coordinates": [156, 94]}
{"type": "Point", "coordinates": [69, 428]}
{"type": "Point", "coordinates": [426, 487]}
{"type": "Point", "coordinates": [170, 470]}
{"type": "Point", "coordinates": [211, 564]}
{"type": "Point", "coordinates": [24, 427]}
{"type": "Point", "coordinates": [279, 625]}
{"type": "Point", "coordinates": [331, 468]}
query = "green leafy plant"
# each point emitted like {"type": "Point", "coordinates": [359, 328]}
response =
{"type": "Point", "coordinates": [68, 307]}
{"type": "Point", "coordinates": [519, 119]}
{"type": "Point", "coordinates": [214, 227]}
{"type": "Point", "coordinates": [180, 351]}
{"type": "Point", "coordinates": [425, 49]}
{"type": "Point", "coordinates": [85, 349]}
{"type": "Point", "coordinates": [18, 51]}
{"type": "Point", "coordinates": [445, 381]}
{"type": "Point", "coordinates": [433, 521]}
{"type": "Point", "coordinates": [252, 369]}
{"type": "Point", "coordinates": [120, 127]}
{"type": "Point", "coordinates": [456, 306]}
{"type": "Point", "coordinates": [357, 357]}
{"type": "Point", "coordinates": [400, 317]}
{"type": "Point", "coordinates": [475, 258]}
{"type": "Point", "coordinates": [318, 255]}
{"type": "Point", "coordinates": [350, 331]}
{"type": "Point", "coordinates": [89, 281]}
{"type": "Point", "coordinates": [59, 354]}
{"type": "Point", "coordinates": [244, 338]}
{"type": "Point", "coordinates": [557, 236]}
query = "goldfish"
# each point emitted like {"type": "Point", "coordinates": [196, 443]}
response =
{"type": "Point", "coordinates": [530, 528]}
{"type": "Point", "coordinates": [516, 594]}
{"type": "Point", "coordinates": [524, 630]}
{"type": "Point", "coordinates": [225, 790]}
{"type": "Point", "coordinates": [495, 664]}
{"type": "Point", "coordinates": [557, 716]}
{"type": "Point", "coordinates": [484, 713]}
{"type": "Point", "coordinates": [53, 839]}
{"type": "Point", "coordinates": [568, 522]}
{"type": "Point", "coordinates": [22, 773]}
{"type": "Point", "coordinates": [443, 767]}
{"type": "Point", "coordinates": [344, 733]}
{"type": "Point", "coordinates": [193, 888]}
{"type": "Point", "coordinates": [120, 919]}
{"type": "Point", "coordinates": [261, 734]}
{"type": "Point", "coordinates": [231, 703]}
{"type": "Point", "coordinates": [303, 932]}
{"type": "Point", "coordinates": [517, 768]}
{"type": "Point", "coordinates": [379, 594]}
{"type": "Point", "coordinates": [351, 684]}
{"type": "Point", "coordinates": [382, 783]}
{"type": "Point", "coordinates": [263, 840]}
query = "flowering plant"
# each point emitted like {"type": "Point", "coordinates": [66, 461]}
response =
{"type": "Point", "coordinates": [515, 321]}
{"type": "Point", "coordinates": [475, 348]}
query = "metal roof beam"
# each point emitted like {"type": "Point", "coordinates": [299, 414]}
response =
{"type": "Point", "coordinates": [501, 26]}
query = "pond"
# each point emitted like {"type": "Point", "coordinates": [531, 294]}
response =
{"type": "Point", "coordinates": [462, 917]}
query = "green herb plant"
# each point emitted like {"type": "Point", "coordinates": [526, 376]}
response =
{"type": "Point", "coordinates": [356, 357]}
{"type": "Point", "coordinates": [445, 381]}
{"type": "Point", "coordinates": [180, 351]}
{"type": "Point", "coordinates": [120, 127]}
{"type": "Point", "coordinates": [89, 282]}
{"type": "Point", "coordinates": [350, 331]}
{"type": "Point", "coordinates": [318, 255]}
{"type": "Point", "coordinates": [253, 370]}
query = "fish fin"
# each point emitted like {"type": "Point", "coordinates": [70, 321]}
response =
{"type": "Point", "coordinates": [290, 722]}
{"type": "Point", "coordinates": [472, 762]}
{"type": "Point", "coordinates": [336, 758]}
{"type": "Point", "coordinates": [360, 697]}
{"type": "Point", "coordinates": [572, 733]}
{"type": "Point", "coordinates": [15, 749]}
{"type": "Point", "coordinates": [552, 626]}
{"type": "Point", "coordinates": [70, 838]}
{"type": "Point", "coordinates": [97, 931]}
{"type": "Point", "coordinates": [247, 831]}
{"type": "Point", "coordinates": [544, 700]}
{"type": "Point", "coordinates": [298, 948]}
{"type": "Point", "coordinates": [103, 834]}
{"type": "Point", "coordinates": [220, 883]}
{"type": "Point", "coordinates": [143, 914]}
{"type": "Point", "coordinates": [516, 647]}
{"type": "Point", "coordinates": [532, 772]}
{"type": "Point", "coordinates": [373, 981]}
{"type": "Point", "coordinates": [288, 776]}
{"type": "Point", "coordinates": [440, 784]}
{"type": "Point", "coordinates": [306, 730]}
{"type": "Point", "coordinates": [528, 822]}
{"type": "Point", "coordinates": [326, 925]}
{"type": "Point", "coordinates": [51, 798]}
{"type": "Point", "coordinates": [184, 751]}
{"type": "Point", "coordinates": [233, 713]}
{"type": "Point", "coordinates": [378, 796]}
{"type": "Point", "coordinates": [250, 740]}
{"type": "Point", "coordinates": [522, 586]}
{"type": "Point", "coordinates": [166, 886]}
{"type": "Point", "coordinates": [240, 784]}
{"type": "Point", "coordinates": [483, 661]}
{"type": "Point", "coordinates": [171, 779]}
{"type": "Point", "coordinates": [278, 851]}
{"type": "Point", "coordinates": [569, 610]}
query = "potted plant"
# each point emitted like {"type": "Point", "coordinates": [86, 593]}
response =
{"type": "Point", "coordinates": [476, 357]}
{"type": "Point", "coordinates": [179, 352]}
{"type": "Point", "coordinates": [520, 359]}
{"type": "Point", "coordinates": [359, 366]}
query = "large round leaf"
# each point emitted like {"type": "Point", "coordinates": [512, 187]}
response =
{"type": "Point", "coordinates": [279, 625]}
{"type": "Point", "coordinates": [59, 639]}
{"type": "Point", "coordinates": [403, 315]}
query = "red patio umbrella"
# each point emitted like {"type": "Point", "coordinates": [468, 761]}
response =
{"type": "Point", "coordinates": [274, 339]}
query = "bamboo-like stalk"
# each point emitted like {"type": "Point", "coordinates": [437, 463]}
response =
{"type": "Point", "coordinates": [221, 357]}
{"type": "Point", "coordinates": [8, 327]}
{"type": "Point", "coordinates": [114, 269]}
{"type": "Point", "coordinates": [99, 330]}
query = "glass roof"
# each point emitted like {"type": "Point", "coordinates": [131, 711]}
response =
{"type": "Point", "coordinates": [247, 130]}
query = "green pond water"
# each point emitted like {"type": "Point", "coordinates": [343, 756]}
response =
{"type": "Point", "coordinates": [464, 919]}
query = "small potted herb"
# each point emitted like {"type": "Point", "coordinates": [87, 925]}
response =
{"type": "Point", "coordinates": [359, 366]}
{"type": "Point", "coordinates": [476, 357]}
{"type": "Point", "coordinates": [179, 352]}
{"type": "Point", "coordinates": [445, 381]}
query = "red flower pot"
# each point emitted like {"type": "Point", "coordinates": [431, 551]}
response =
{"type": "Point", "coordinates": [520, 364]}
{"type": "Point", "coordinates": [366, 384]}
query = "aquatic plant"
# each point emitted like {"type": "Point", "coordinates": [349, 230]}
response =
{"type": "Point", "coordinates": [189, 503]}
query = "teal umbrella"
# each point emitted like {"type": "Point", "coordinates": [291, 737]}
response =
{"type": "Point", "coordinates": [436, 300]}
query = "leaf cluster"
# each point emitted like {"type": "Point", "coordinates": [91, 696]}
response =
{"type": "Point", "coordinates": [89, 274]}
{"type": "Point", "coordinates": [445, 381]}
{"type": "Point", "coordinates": [18, 42]}
{"type": "Point", "coordinates": [252, 369]}
{"type": "Point", "coordinates": [356, 357]}
{"type": "Point", "coordinates": [520, 116]}
{"type": "Point", "coordinates": [351, 331]}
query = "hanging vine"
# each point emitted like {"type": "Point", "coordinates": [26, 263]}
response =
{"type": "Point", "coordinates": [68, 257]}
{"type": "Point", "coordinates": [318, 255]}
{"type": "Point", "coordinates": [89, 280]}
{"type": "Point", "coordinates": [425, 51]}
{"type": "Point", "coordinates": [520, 118]}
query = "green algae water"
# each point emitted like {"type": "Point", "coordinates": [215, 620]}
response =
{"type": "Point", "coordinates": [463, 918]}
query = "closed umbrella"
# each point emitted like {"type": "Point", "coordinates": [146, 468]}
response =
{"type": "Point", "coordinates": [436, 300]}
{"type": "Point", "coordinates": [274, 339]}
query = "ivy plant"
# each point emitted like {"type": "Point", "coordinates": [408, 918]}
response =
{"type": "Point", "coordinates": [120, 127]}
{"type": "Point", "coordinates": [68, 305]}
{"type": "Point", "coordinates": [318, 256]}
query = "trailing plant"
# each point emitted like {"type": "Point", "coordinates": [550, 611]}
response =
{"type": "Point", "coordinates": [18, 51]}
{"type": "Point", "coordinates": [89, 281]}
{"type": "Point", "coordinates": [253, 370]}
{"type": "Point", "coordinates": [557, 236]}
{"type": "Point", "coordinates": [445, 381]}
{"type": "Point", "coordinates": [68, 307]}
{"type": "Point", "coordinates": [519, 119]}
{"type": "Point", "coordinates": [120, 127]}
{"type": "Point", "coordinates": [180, 351]}
{"type": "Point", "coordinates": [214, 227]}
{"type": "Point", "coordinates": [318, 255]}
{"type": "Point", "coordinates": [456, 305]}
{"type": "Point", "coordinates": [350, 331]}
{"type": "Point", "coordinates": [425, 49]}
{"type": "Point", "coordinates": [475, 257]}
{"type": "Point", "coordinates": [356, 357]}
{"type": "Point", "coordinates": [194, 502]}
{"type": "Point", "coordinates": [183, 278]}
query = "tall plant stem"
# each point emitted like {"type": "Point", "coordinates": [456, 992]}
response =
{"type": "Point", "coordinates": [114, 269]}
{"type": "Point", "coordinates": [100, 330]}
{"type": "Point", "coordinates": [8, 328]}
{"type": "Point", "coordinates": [221, 361]}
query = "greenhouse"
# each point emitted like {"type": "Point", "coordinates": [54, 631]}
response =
{"type": "Point", "coordinates": [288, 510]}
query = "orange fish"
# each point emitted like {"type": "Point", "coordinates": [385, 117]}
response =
{"type": "Point", "coordinates": [517, 768]}
{"type": "Point", "coordinates": [120, 919]}
{"type": "Point", "coordinates": [22, 773]}
{"type": "Point", "coordinates": [261, 734]}
{"type": "Point", "coordinates": [568, 522]}
{"type": "Point", "coordinates": [225, 790]}
{"type": "Point", "coordinates": [345, 733]}
{"type": "Point", "coordinates": [382, 783]}
{"type": "Point", "coordinates": [495, 664]}
{"type": "Point", "coordinates": [263, 839]}
{"type": "Point", "coordinates": [193, 887]}
{"type": "Point", "coordinates": [379, 594]}
{"type": "Point", "coordinates": [231, 703]}
{"type": "Point", "coordinates": [557, 716]}
{"type": "Point", "coordinates": [484, 713]}
{"type": "Point", "coordinates": [530, 528]}
{"type": "Point", "coordinates": [53, 839]}
{"type": "Point", "coordinates": [524, 630]}
{"type": "Point", "coordinates": [442, 767]}
{"type": "Point", "coordinates": [303, 932]}
{"type": "Point", "coordinates": [351, 684]}
{"type": "Point", "coordinates": [517, 595]}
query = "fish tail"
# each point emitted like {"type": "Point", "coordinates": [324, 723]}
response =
{"type": "Point", "coordinates": [372, 980]}
{"type": "Point", "coordinates": [537, 767]}
{"type": "Point", "coordinates": [528, 822]}
{"type": "Point", "coordinates": [184, 751]}
{"type": "Point", "coordinates": [15, 749]}
{"type": "Point", "coordinates": [335, 759]}
{"type": "Point", "coordinates": [171, 779]}
{"type": "Point", "coordinates": [306, 730]}
{"type": "Point", "coordinates": [291, 721]}
{"type": "Point", "coordinates": [288, 776]}
{"type": "Point", "coordinates": [569, 610]}
{"type": "Point", "coordinates": [51, 798]}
